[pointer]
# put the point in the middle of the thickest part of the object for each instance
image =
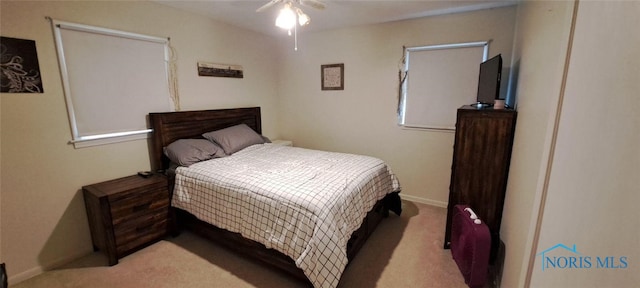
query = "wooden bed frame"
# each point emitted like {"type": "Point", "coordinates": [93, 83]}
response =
{"type": "Point", "coordinates": [171, 126]}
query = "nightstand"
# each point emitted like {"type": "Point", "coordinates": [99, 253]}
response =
{"type": "Point", "coordinates": [126, 214]}
{"type": "Point", "coordinates": [282, 142]}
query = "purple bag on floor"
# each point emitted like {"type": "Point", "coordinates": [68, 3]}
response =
{"type": "Point", "coordinates": [470, 245]}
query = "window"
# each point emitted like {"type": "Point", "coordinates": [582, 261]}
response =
{"type": "Point", "coordinates": [112, 80]}
{"type": "Point", "coordinates": [437, 81]}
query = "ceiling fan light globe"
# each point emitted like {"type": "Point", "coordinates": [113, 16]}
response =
{"type": "Point", "coordinates": [286, 19]}
{"type": "Point", "coordinates": [303, 19]}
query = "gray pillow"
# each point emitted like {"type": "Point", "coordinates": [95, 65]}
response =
{"type": "Point", "coordinates": [189, 151]}
{"type": "Point", "coordinates": [234, 138]}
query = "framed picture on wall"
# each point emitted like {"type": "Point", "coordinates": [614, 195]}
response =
{"type": "Point", "coordinates": [220, 70]}
{"type": "Point", "coordinates": [20, 68]}
{"type": "Point", "coordinates": [332, 76]}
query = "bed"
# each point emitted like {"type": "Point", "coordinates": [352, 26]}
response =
{"type": "Point", "coordinates": [300, 259]}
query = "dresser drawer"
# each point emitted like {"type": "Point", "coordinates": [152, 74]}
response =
{"type": "Point", "coordinates": [135, 205]}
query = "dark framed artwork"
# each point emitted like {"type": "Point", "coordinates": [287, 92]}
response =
{"type": "Point", "coordinates": [20, 68]}
{"type": "Point", "coordinates": [220, 70]}
{"type": "Point", "coordinates": [332, 76]}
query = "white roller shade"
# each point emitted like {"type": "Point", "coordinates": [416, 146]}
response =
{"type": "Point", "coordinates": [113, 79]}
{"type": "Point", "coordinates": [440, 80]}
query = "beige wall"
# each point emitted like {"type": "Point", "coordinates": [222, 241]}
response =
{"type": "Point", "coordinates": [575, 157]}
{"type": "Point", "coordinates": [541, 43]}
{"type": "Point", "coordinates": [592, 194]}
{"type": "Point", "coordinates": [362, 118]}
{"type": "Point", "coordinates": [43, 216]}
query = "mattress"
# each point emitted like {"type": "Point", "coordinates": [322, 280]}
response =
{"type": "Point", "coordinates": [303, 203]}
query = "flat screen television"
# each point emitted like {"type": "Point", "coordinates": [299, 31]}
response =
{"type": "Point", "coordinates": [489, 81]}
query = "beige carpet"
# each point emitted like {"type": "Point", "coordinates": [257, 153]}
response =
{"type": "Point", "coordinates": [404, 251]}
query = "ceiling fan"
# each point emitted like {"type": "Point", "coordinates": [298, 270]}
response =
{"type": "Point", "coordinates": [290, 14]}
{"type": "Point", "coordinates": [311, 3]}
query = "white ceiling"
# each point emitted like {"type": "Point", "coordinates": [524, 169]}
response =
{"type": "Point", "coordinates": [338, 14]}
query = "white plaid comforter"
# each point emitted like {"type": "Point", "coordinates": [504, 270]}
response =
{"type": "Point", "coordinates": [303, 203]}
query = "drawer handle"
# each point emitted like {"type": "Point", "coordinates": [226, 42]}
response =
{"type": "Point", "coordinates": [143, 228]}
{"type": "Point", "coordinates": [141, 207]}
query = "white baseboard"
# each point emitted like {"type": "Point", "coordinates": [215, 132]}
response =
{"type": "Point", "coordinates": [424, 200]}
{"type": "Point", "coordinates": [17, 278]}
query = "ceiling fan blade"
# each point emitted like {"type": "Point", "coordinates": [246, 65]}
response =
{"type": "Point", "coordinates": [266, 6]}
{"type": "Point", "coordinates": [313, 3]}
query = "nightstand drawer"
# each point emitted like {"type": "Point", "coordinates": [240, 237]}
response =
{"type": "Point", "coordinates": [142, 220]}
{"type": "Point", "coordinates": [135, 205]}
{"type": "Point", "coordinates": [130, 237]}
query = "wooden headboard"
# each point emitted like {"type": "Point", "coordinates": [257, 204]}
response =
{"type": "Point", "coordinates": [171, 126]}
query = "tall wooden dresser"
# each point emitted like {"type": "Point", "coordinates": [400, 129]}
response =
{"type": "Point", "coordinates": [481, 156]}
